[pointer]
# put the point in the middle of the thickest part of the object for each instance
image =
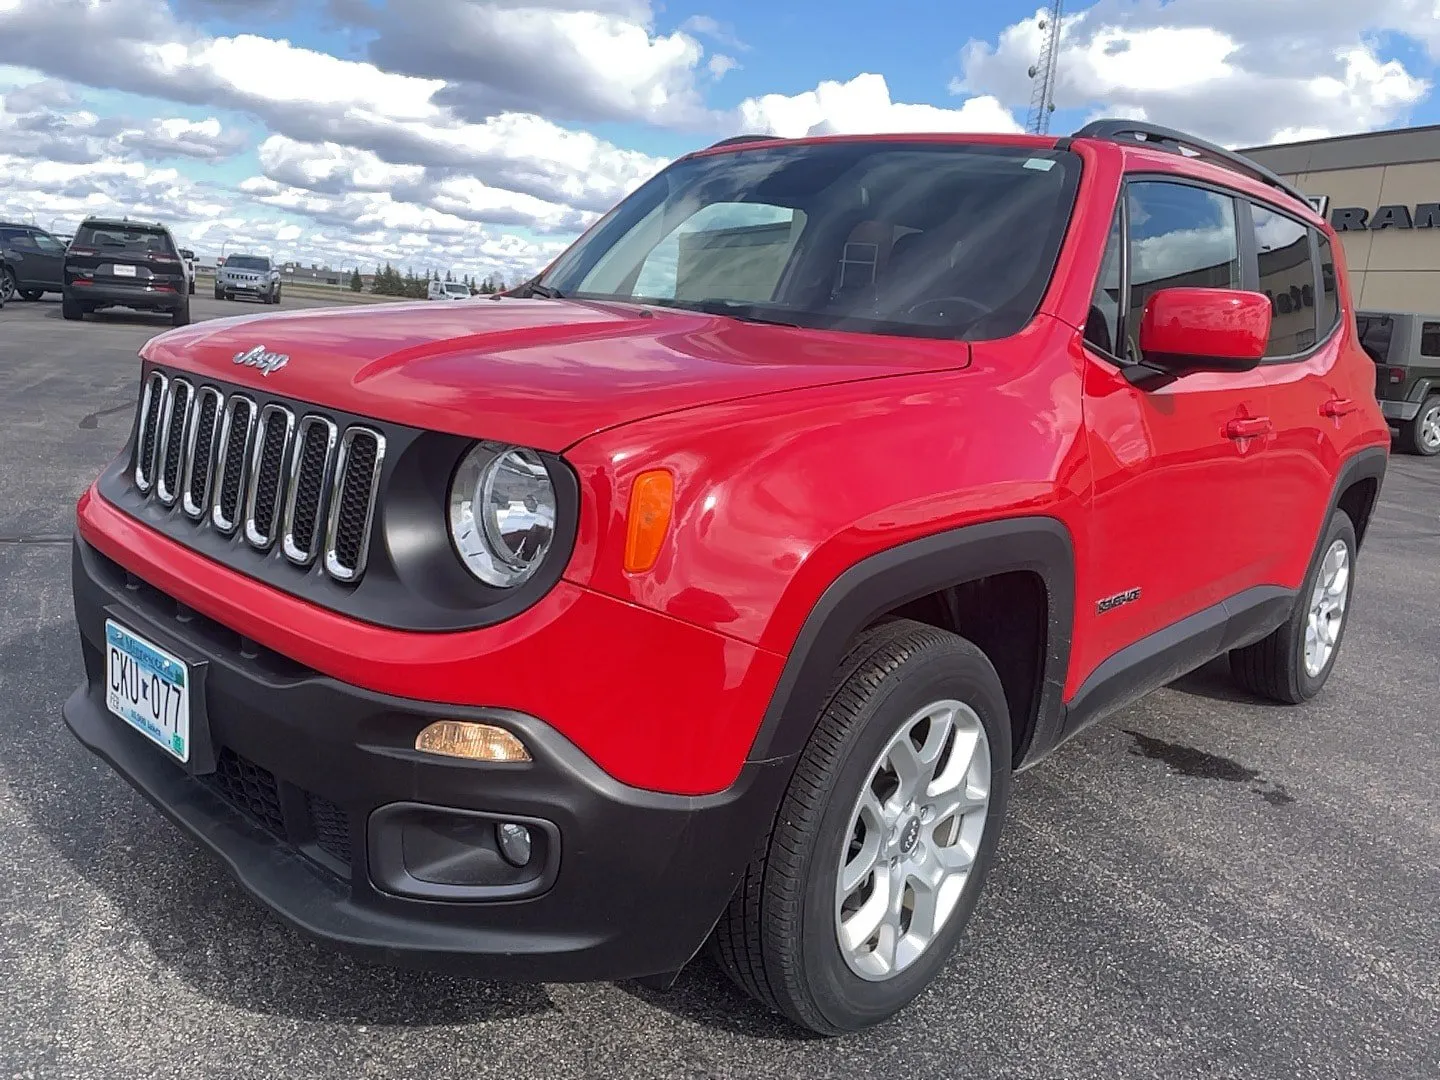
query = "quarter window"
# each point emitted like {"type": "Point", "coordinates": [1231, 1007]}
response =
{"type": "Point", "coordinates": [1287, 277]}
{"type": "Point", "coordinates": [1180, 237]}
{"type": "Point", "coordinates": [1330, 295]}
{"type": "Point", "coordinates": [1102, 325]}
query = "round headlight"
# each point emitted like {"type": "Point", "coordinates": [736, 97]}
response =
{"type": "Point", "coordinates": [502, 513]}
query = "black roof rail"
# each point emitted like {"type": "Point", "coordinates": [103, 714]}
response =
{"type": "Point", "coordinates": [736, 140]}
{"type": "Point", "coordinates": [1176, 142]}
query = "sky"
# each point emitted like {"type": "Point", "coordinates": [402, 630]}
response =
{"type": "Point", "coordinates": [482, 136]}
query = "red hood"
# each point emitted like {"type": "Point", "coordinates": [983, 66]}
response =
{"type": "Point", "coordinates": [540, 373]}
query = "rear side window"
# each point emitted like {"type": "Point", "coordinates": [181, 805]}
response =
{"type": "Point", "coordinates": [1180, 237]}
{"type": "Point", "coordinates": [1375, 332]}
{"type": "Point", "coordinates": [1330, 289]}
{"type": "Point", "coordinates": [1287, 277]}
{"type": "Point", "coordinates": [1430, 339]}
{"type": "Point", "coordinates": [129, 239]}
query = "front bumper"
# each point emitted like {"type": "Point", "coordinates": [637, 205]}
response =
{"type": "Point", "coordinates": [303, 810]}
{"type": "Point", "coordinates": [256, 287]}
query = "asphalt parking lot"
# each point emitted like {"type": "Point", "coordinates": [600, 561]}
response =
{"type": "Point", "coordinates": [1203, 886]}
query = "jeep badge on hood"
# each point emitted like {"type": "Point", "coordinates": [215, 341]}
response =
{"type": "Point", "coordinates": [257, 357]}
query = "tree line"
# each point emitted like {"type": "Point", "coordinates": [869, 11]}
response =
{"type": "Point", "coordinates": [388, 281]}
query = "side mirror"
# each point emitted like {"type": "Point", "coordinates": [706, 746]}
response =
{"type": "Point", "coordinates": [1188, 330]}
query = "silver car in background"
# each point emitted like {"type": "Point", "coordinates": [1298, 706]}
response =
{"type": "Point", "coordinates": [248, 275]}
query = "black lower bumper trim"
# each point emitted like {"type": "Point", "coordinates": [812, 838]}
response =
{"type": "Point", "coordinates": [641, 876]}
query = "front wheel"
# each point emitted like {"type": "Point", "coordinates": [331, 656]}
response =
{"type": "Point", "coordinates": [1293, 663]}
{"type": "Point", "coordinates": [1422, 435]}
{"type": "Point", "coordinates": [860, 893]}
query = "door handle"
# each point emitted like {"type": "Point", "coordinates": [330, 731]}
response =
{"type": "Point", "coordinates": [1338, 407]}
{"type": "Point", "coordinates": [1248, 428]}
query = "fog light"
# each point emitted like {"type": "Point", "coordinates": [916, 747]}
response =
{"type": "Point", "coordinates": [514, 842]}
{"type": "Point", "coordinates": [479, 742]}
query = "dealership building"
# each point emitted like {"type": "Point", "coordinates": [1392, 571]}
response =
{"type": "Point", "coordinates": [1381, 192]}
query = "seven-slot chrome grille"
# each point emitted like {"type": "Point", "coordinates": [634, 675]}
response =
{"type": "Point", "coordinates": [270, 473]}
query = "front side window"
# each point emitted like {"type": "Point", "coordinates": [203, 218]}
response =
{"type": "Point", "coordinates": [935, 240]}
{"type": "Point", "coordinates": [1180, 237]}
{"type": "Point", "coordinates": [1287, 277]}
{"type": "Point", "coordinates": [48, 244]}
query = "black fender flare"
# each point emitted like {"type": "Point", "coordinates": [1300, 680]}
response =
{"type": "Point", "coordinates": [1367, 464]}
{"type": "Point", "coordinates": [897, 575]}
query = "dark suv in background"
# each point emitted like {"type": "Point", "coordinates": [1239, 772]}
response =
{"type": "Point", "coordinates": [31, 262]}
{"type": "Point", "coordinates": [1406, 350]}
{"type": "Point", "coordinates": [130, 264]}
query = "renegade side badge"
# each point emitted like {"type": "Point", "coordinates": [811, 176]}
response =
{"type": "Point", "coordinates": [1110, 603]}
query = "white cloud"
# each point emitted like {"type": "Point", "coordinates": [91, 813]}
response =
{"type": "Point", "coordinates": [863, 106]}
{"type": "Point", "coordinates": [719, 64]}
{"type": "Point", "coordinates": [1236, 71]}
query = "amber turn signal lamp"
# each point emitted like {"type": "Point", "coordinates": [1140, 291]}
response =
{"type": "Point", "coordinates": [652, 497]}
{"type": "Point", "coordinates": [478, 742]}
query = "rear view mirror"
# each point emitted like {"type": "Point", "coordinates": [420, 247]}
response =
{"type": "Point", "coordinates": [1188, 330]}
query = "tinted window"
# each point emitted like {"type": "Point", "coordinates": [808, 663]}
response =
{"type": "Point", "coordinates": [1102, 325]}
{"type": "Point", "coordinates": [7, 236]}
{"type": "Point", "coordinates": [1287, 277]}
{"type": "Point", "coordinates": [1430, 339]}
{"type": "Point", "coordinates": [881, 237]}
{"type": "Point", "coordinates": [49, 245]}
{"type": "Point", "coordinates": [132, 239]}
{"type": "Point", "coordinates": [247, 262]}
{"type": "Point", "coordinates": [1375, 332]}
{"type": "Point", "coordinates": [1180, 236]}
{"type": "Point", "coordinates": [1330, 297]}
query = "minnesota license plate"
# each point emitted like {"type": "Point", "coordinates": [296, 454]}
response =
{"type": "Point", "coordinates": [121, 270]}
{"type": "Point", "coordinates": [148, 688]}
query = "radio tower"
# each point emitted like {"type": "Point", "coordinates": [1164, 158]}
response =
{"type": "Point", "coordinates": [1042, 97]}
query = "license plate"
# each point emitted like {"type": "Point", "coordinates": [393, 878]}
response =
{"type": "Point", "coordinates": [148, 688]}
{"type": "Point", "coordinates": [124, 271]}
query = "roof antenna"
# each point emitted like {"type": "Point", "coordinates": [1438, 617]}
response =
{"type": "Point", "coordinates": [1042, 73]}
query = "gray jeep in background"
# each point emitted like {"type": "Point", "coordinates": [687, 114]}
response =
{"type": "Point", "coordinates": [1406, 350]}
{"type": "Point", "coordinates": [248, 275]}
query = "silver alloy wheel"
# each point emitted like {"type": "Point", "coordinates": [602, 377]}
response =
{"type": "Point", "coordinates": [1430, 427]}
{"type": "Point", "coordinates": [913, 836]}
{"type": "Point", "coordinates": [1327, 608]}
{"type": "Point", "coordinates": [7, 286]}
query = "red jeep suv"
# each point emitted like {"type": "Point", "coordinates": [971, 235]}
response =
{"type": "Point", "coordinates": [713, 585]}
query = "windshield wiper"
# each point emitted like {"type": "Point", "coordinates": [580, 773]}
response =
{"type": "Point", "coordinates": [735, 309]}
{"type": "Point", "coordinates": [527, 289]}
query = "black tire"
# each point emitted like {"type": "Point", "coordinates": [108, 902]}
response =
{"type": "Point", "coordinates": [777, 940]}
{"type": "Point", "coordinates": [277, 295]}
{"type": "Point", "coordinates": [70, 308]}
{"type": "Point", "coordinates": [217, 295]}
{"type": "Point", "coordinates": [31, 294]}
{"type": "Point", "coordinates": [1417, 436]}
{"type": "Point", "coordinates": [1274, 667]}
{"type": "Point", "coordinates": [181, 315]}
{"type": "Point", "coordinates": [192, 288]}
{"type": "Point", "coordinates": [9, 290]}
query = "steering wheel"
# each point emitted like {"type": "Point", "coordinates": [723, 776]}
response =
{"type": "Point", "coordinates": [979, 309]}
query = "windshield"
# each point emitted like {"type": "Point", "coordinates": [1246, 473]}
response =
{"type": "Point", "coordinates": [457, 288]}
{"type": "Point", "coordinates": [930, 240]}
{"type": "Point", "coordinates": [247, 262]}
{"type": "Point", "coordinates": [136, 241]}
